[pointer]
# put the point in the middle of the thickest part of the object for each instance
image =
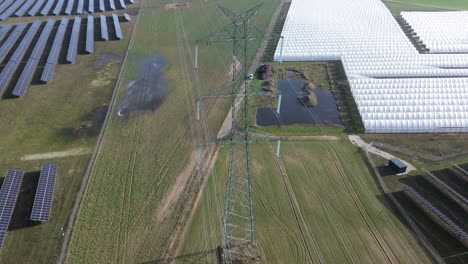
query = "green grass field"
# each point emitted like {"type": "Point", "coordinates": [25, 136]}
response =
{"type": "Point", "coordinates": [398, 6]}
{"type": "Point", "coordinates": [333, 212]}
{"type": "Point", "coordinates": [125, 215]}
{"type": "Point", "coordinates": [63, 115]}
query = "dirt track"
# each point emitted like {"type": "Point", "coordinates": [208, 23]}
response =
{"type": "Point", "coordinates": [58, 154]}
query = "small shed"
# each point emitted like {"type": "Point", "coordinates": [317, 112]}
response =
{"type": "Point", "coordinates": [397, 165]}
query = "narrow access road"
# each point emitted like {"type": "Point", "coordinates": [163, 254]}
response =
{"type": "Point", "coordinates": [357, 141]}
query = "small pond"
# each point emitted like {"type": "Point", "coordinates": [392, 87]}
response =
{"type": "Point", "coordinates": [294, 112]}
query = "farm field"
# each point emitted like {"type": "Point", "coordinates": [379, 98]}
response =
{"type": "Point", "coordinates": [145, 167]}
{"type": "Point", "coordinates": [425, 5]}
{"type": "Point", "coordinates": [65, 115]}
{"type": "Point", "coordinates": [325, 208]}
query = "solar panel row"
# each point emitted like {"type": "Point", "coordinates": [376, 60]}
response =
{"type": "Point", "coordinates": [24, 8]}
{"type": "Point", "coordinates": [80, 7]}
{"type": "Point", "coordinates": [44, 193]}
{"type": "Point", "coordinates": [8, 44]}
{"type": "Point", "coordinates": [5, 4]}
{"type": "Point", "coordinates": [11, 10]}
{"type": "Point", "coordinates": [104, 32]}
{"type": "Point", "coordinates": [8, 196]}
{"type": "Point", "coordinates": [90, 35]}
{"type": "Point", "coordinates": [91, 6]}
{"type": "Point", "coordinates": [28, 71]}
{"type": "Point", "coordinates": [459, 231]}
{"type": "Point", "coordinates": [69, 8]}
{"type": "Point", "coordinates": [58, 7]}
{"type": "Point", "coordinates": [54, 52]}
{"type": "Point", "coordinates": [18, 55]}
{"type": "Point", "coordinates": [4, 30]}
{"type": "Point", "coordinates": [46, 9]}
{"type": "Point", "coordinates": [127, 17]}
{"type": "Point", "coordinates": [112, 4]}
{"type": "Point", "coordinates": [118, 30]}
{"type": "Point", "coordinates": [101, 6]}
{"type": "Point", "coordinates": [73, 47]}
{"type": "Point", "coordinates": [122, 4]}
{"type": "Point", "coordinates": [36, 8]}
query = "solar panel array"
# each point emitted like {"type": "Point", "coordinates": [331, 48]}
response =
{"type": "Point", "coordinates": [26, 42]}
{"type": "Point", "coordinates": [18, 55]}
{"type": "Point", "coordinates": [18, 8]}
{"type": "Point", "coordinates": [28, 71]}
{"type": "Point", "coordinates": [448, 188]}
{"type": "Point", "coordinates": [457, 229]}
{"type": "Point", "coordinates": [44, 193]}
{"type": "Point", "coordinates": [8, 196]}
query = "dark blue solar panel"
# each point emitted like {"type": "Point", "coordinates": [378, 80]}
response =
{"type": "Point", "coordinates": [91, 6]}
{"type": "Point", "coordinates": [8, 44]}
{"type": "Point", "coordinates": [73, 47]}
{"type": "Point", "coordinates": [24, 44]}
{"type": "Point", "coordinates": [90, 35]}
{"type": "Point", "coordinates": [54, 52]}
{"type": "Point", "coordinates": [118, 30]}
{"type": "Point", "coordinates": [122, 4]}
{"type": "Point", "coordinates": [127, 17]}
{"type": "Point", "coordinates": [58, 7]}
{"type": "Point", "coordinates": [44, 193]}
{"type": "Point", "coordinates": [8, 195]}
{"type": "Point", "coordinates": [11, 9]}
{"type": "Point", "coordinates": [112, 4]}
{"type": "Point", "coordinates": [101, 6]}
{"type": "Point", "coordinates": [18, 55]}
{"type": "Point", "coordinates": [36, 8]}
{"type": "Point", "coordinates": [79, 9]}
{"type": "Point", "coordinates": [28, 71]}
{"type": "Point", "coordinates": [24, 8]}
{"type": "Point", "coordinates": [104, 32]}
{"type": "Point", "coordinates": [68, 10]}
{"type": "Point", "coordinates": [4, 31]}
{"type": "Point", "coordinates": [46, 9]}
{"type": "Point", "coordinates": [5, 4]}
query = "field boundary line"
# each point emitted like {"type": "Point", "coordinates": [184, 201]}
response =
{"type": "Point", "coordinates": [97, 148]}
{"type": "Point", "coordinates": [417, 232]}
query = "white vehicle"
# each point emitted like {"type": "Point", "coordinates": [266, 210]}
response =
{"type": "Point", "coordinates": [250, 76]}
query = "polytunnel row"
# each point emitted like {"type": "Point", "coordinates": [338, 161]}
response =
{"type": "Point", "coordinates": [440, 31]}
{"type": "Point", "coordinates": [396, 89]}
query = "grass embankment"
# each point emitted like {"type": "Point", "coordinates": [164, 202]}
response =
{"type": "Point", "coordinates": [65, 114]}
{"type": "Point", "coordinates": [327, 206]}
{"type": "Point", "coordinates": [122, 218]}
{"type": "Point", "coordinates": [426, 5]}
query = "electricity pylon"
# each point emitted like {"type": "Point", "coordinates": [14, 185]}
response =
{"type": "Point", "coordinates": [238, 227]}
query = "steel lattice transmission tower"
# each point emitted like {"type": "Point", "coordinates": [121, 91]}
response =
{"type": "Point", "coordinates": [238, 227]}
